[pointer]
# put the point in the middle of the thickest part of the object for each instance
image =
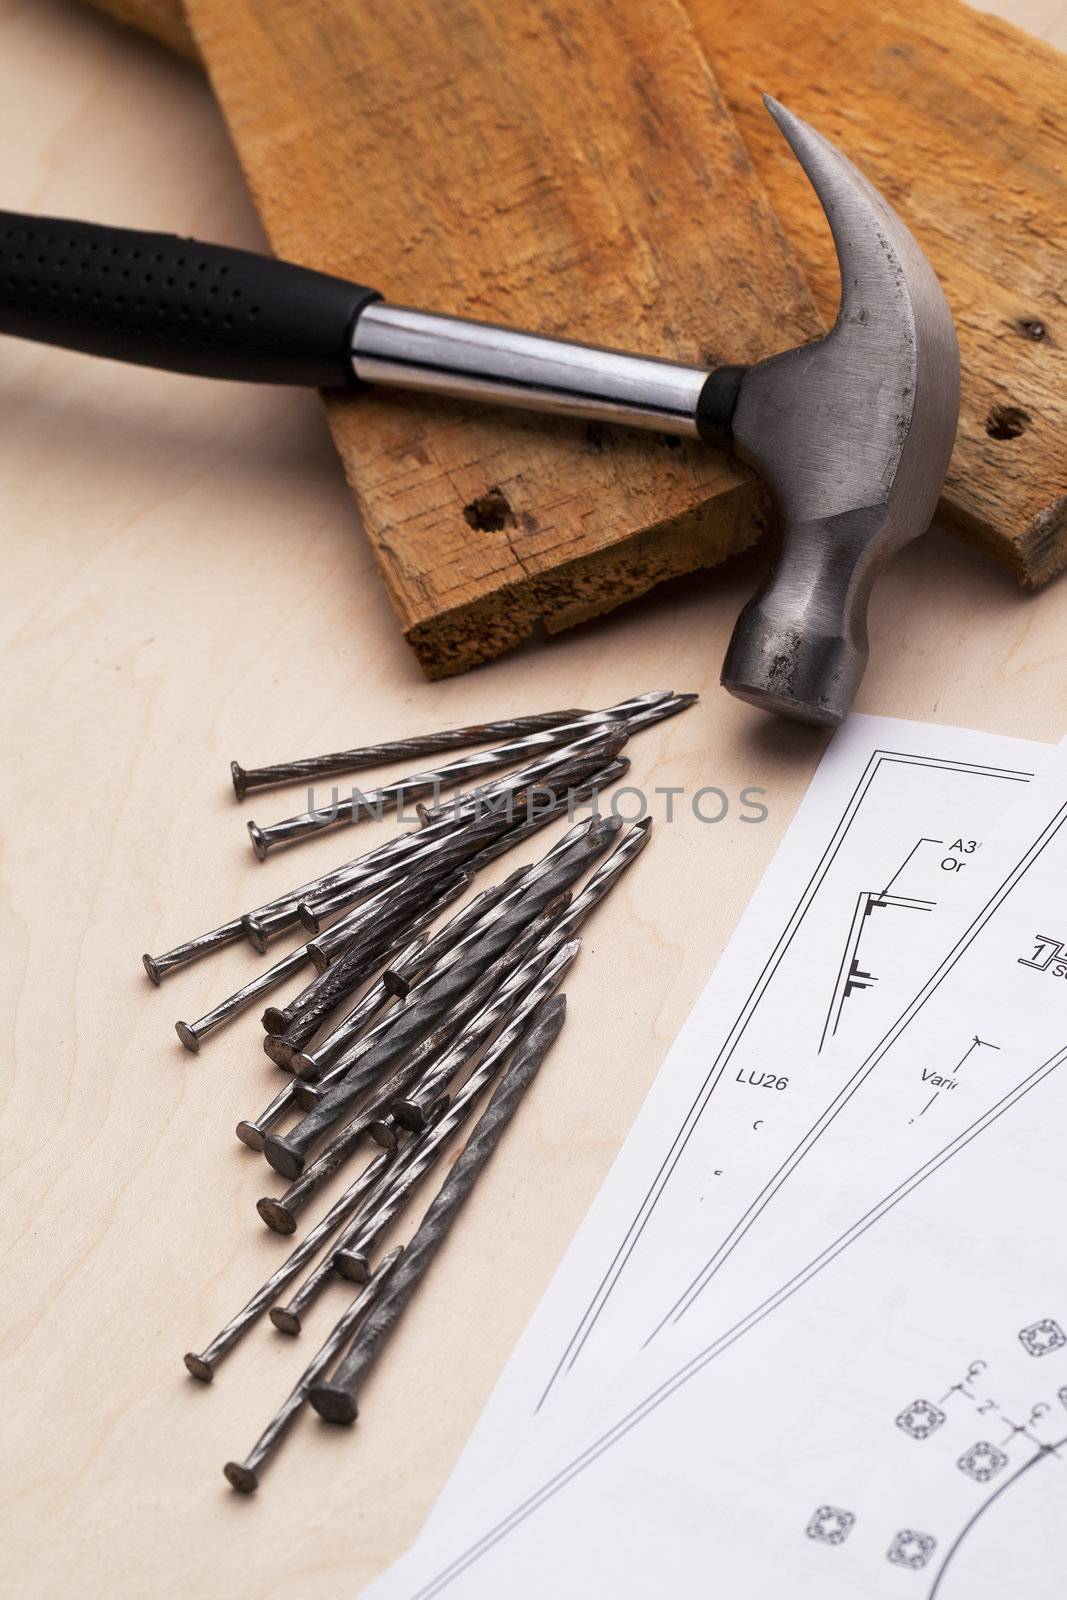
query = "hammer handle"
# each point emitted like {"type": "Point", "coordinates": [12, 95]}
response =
{"type": "Point", "coordinates": [160, 301]}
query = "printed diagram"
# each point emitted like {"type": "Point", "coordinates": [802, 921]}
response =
{"type": "Point", "coordinates": [982, 1461]}
{"type": "Point", "coordinates": [1041, 1337]}
{"type": "Point", "coordinates": [830, 1525]}
{"type": "Point", "coordinates": [1017, 1434]}
{"type": "Point", "coordinates": [1047, 956]}
{"type": "Point", "coordinates": [877, 926]}
{"type": "Point", "coordinates": [920, 1419]}
{"type": "Point", "coordinates": [911, 1549]}
{"type": "Point", "coordinates": [945, 1082]}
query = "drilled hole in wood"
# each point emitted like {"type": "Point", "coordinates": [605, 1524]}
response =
{"type": "Point", "coordinates": [490, 512]}
{"type": "Point", "coordinates": [1007, 422]}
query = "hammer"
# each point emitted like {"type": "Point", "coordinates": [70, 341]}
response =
{"type": "Point", "coordinates": [852, 434]}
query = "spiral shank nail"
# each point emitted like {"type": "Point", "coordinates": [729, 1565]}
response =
{"type": "Point", "coordinates": [377, 755]}
{"type": "Point", "coordinates": [337, 1399]}
{"type": "Point", "coordinates": [244, 1475]}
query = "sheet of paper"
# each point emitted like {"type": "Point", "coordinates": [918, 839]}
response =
{"type": "Point", "coordinates": [889, 830]}
{"type": "Point", "coordinates": [894, 1411]}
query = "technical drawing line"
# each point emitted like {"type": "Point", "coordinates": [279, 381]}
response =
{"type": "Point", "coordinates": [675, 1151]}
{"type": "Point", "coordinates": [696, 1363]}
{"type": "Point", "coordinates": [1041, 1454]}
{"type": "Point", "coordinates": [906, 859]}
{"type": "Point", "coordinates": [866, 903]}
{"type": "Point", "coordinates": [863, 1072]}
{"type": "Point", "coordinates": [855, 930]}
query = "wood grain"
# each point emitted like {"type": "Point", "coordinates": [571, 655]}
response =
{"type": "Point", "coordinates": [961, 120]}
{"type": "Point", "coordinates": [498, 162]}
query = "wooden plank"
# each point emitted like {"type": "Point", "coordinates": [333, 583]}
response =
{"type": "Point", "coordinates": [961, 120]}
{"type": "Point", "coordinates": [500, 162]}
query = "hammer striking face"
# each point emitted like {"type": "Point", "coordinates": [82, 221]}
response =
{"type": "Point", "coordinates": [852, 433]}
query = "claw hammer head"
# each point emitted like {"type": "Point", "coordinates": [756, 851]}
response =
{"type": "Point", "coordinates": [852, 435]}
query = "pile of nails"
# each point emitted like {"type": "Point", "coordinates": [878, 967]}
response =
{"type": "Point", "coordinates": [410, 1021]}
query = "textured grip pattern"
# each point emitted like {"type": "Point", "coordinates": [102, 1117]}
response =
{"type": "Point", "coordinates": [161, 301]}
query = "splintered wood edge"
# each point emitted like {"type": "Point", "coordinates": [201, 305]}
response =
{"type": "Point", "coordinates": [470, 635]}
{"type": "Point", "coordinates": [1034, 557]}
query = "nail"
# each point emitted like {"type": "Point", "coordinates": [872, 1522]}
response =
{"type": "Point", "coordinates": [410, 1110]}
{"type": "Point", "coordinates": [311, 1064]}
{"type": "Point", "coordinates": [280, 1213]}
{"type": "Point", "coordinates": [607, 875]}
{"type": "Point", "coordinates": [351, 1257]}
{"type": "Point", "coordinates": [551, 766]}
{"type": "Point", "coordinates": [288, 1153]}
{"type": "Point", "coordinates": [157, 967]}
{"type": "Point", "coordinates": [298, 1023]}
{"type": "Point", "coordinates": [454, 773]}
{"type": "Point", "coordinates": [289, 1318]}
{"type": "Point", "coordinates": [191, 1033]}
{"type": "Point", "coordinates": [393, 908]}
{"type": "Point", "coordinates": [336, 1399]}
{"type": "Point", "coordinates": [244, 1475]}
{"type": "Point", "coordinates": [378, 755]}
{"type": "Point", "coordinates": [444, 951]}
{"type": "Point", "coordinates": [202, 1364]}
{"type": "Point", "coordinates": [253, 1132]}
{"type": "Point", "coordinates": [396, 979]}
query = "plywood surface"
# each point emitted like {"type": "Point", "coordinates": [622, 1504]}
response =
{"type": "Point", "coordinates": [183, 585]}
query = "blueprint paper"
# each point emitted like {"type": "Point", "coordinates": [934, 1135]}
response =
{"type": "Point", "coordinates": [891, 827]}
{"type": "Point", "coordinates": [895, 1409]}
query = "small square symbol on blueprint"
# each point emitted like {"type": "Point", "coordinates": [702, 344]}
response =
{"type": "Point", "coordinates": [1041, 1337]}
{"type": "Point", "coordinates": [920, 1419]}
{"type": "Point", "coordinates": [911, 1549]}
{"type": "Point", "coordinates": [830, 1525]}
{"type": "Point", "coordinates": [982, 1461]}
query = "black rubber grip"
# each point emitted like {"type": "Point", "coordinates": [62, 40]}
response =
{"type": "Point", "coordinates": [161, 301]}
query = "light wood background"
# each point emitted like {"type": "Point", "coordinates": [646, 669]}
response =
{"type": "Point", "coordinates": [184, 583]}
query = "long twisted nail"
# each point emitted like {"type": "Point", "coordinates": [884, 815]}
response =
{"type": "Point", "coordinates": [281, 1212]}
{"type": "Point", "coordinates": [351, 1257]}
{"type": "Point", "coordinates": [336, 1399]}
{"type": "Point", "coordinates": [390, 796]}
{"type": "Point", "coordinates": [288, 1153]}
{"type": "Point", "coordinates": [289, 1318]}
{"type": "Point", "coordinates": [378, 755]}
{"type": "Point", "coordinates": [397, 980]}
{"type": "Point", "coordinates": [202, 1364]}
{"type": "Point", "coordinates": [244, 1475]}
{"type": "Point", "coordinates": [252, 1131]}
{"type": "Point", "coordinates": [412, 1109]}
